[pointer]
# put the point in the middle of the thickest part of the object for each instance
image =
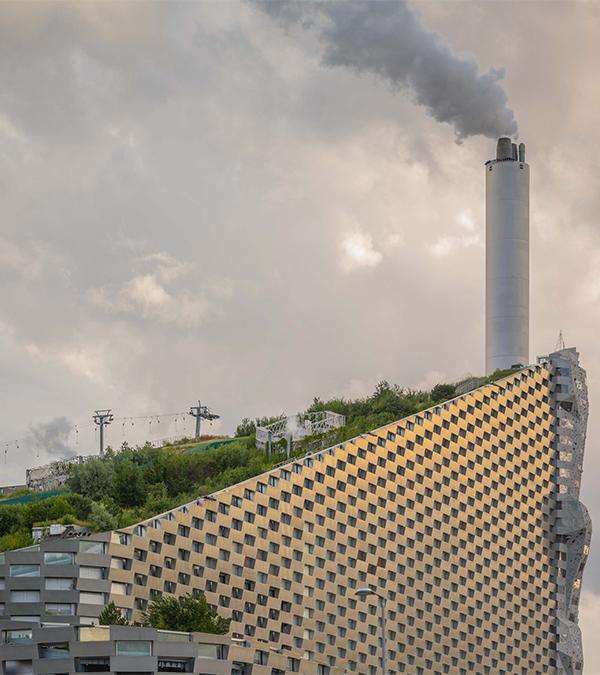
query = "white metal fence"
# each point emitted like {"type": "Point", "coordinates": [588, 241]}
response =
{"type": "Point", "coordinates": [297, 427]}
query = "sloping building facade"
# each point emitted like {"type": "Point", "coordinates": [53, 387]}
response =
{"type": "Point", "coordinates": [464, 518]}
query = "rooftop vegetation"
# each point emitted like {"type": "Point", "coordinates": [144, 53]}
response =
{"type": "Point", "coordinates": [133, 484]}
{"type": "Point", "coordinates": [189, 614]}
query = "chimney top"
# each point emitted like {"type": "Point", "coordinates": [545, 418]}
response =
{"type": "Point", "coordinates": [504, 149]}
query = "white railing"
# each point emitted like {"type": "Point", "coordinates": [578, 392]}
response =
{"type": "Point", "coordinates": [297, 427]}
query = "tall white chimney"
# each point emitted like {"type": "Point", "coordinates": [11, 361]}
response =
{"type": "Point", "coordinates": [506, 258]}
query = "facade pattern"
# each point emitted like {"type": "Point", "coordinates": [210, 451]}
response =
{"type": "Point", "coordinates": [110, 649]}
{"type": "Point", "coordinates": [465, 518]}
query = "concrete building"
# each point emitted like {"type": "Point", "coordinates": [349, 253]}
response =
{"type": "Point", "coordinates": [465, 518]}
{"type": "Point", "coordinates": [27, 648]}
{"type": "Point", "coordinates": [51, 476]}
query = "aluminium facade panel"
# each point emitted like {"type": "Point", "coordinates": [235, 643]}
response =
{"type": "Point", "coordinates": [465, 518]}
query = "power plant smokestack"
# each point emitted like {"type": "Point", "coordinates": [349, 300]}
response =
{"type": "Point", "coordinates": [506, 258]}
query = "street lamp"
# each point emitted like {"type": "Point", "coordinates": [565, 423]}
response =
{"type": "Point", "coordinates": [363, 592]}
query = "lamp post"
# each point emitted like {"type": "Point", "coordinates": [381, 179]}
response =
{"type": "Point", "coordinates": [363, 592]}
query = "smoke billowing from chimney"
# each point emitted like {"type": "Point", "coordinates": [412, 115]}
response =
{"type": "Point", "coordinates": [386, 39]}
{"type": "Point", "coordinates": [51, 437]}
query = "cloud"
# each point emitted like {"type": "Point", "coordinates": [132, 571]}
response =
{"type": "Point", "coordinates": [466, 220]}
{"type": "Point", "coordinates": [168, 267]}
{"type": "Point", "coordinates": [10, 132]}
{"type": "Point", "coordinates": [589, 620]}
{"type": "Point", "coordinates": [448, 244]}
{"type": "Point", "coordinates": [147, 292]}
{"type": "Point", "coordinates": [588, 292]}
{"type": "Point", "coordinates": [84, 361]}
{"type": "Point", "coordinates": [430, 379]}
{"type": "Point", "coordinates": [51, 438]}
{"type": "Point", "coordinates": [155, 295]}
{"type": "Point", "coordinates": [395, 239]}
{"type": "Point", "coordinates": [358, 251]}
{"type": "Point", "coordinates": [24, 262]}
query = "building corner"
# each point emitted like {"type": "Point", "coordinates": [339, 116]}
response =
{"type": "Point", "coordinates": [573, 526]}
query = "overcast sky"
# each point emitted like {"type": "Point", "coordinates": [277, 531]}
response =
{"type": "Point", "coordinates": [196, 203]}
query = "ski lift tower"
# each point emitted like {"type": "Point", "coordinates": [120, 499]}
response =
{"type": "Point", "coordinates": [103, 418]}
{"type": "Point", "coordinates": [201, 412]}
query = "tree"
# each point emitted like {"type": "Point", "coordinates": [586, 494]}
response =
{"type": "Point", "coordinates": [443, 392]}
{"type": "Point", "coordinates": [157, 500]}
{"type": "Point", "coordinates": [101, 518]}
{"type": "Point", "coordinates": [129, 486]}
{"type": "Point", "coordinates": [186, 614]}
{"type": "Point", "coordinates": [9, 519]}
{"type": "Point", "coordinates": [81, 505]}
{"type": "Point", "coordinates": [111, 616]}
{"type": "Point", "coordinates": [43, 510]}
{"type": "Point", "coordinates": [92, 479]}
{"type": "Point", "coordinates": [17, 539]}
{"type": "Point", "coordinates": [245, 428]}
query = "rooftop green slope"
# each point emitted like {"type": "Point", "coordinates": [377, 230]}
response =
{"type": "Point", "coordinates": [28, 496]}
{"type": "Point", "coordinates": [134, 484]}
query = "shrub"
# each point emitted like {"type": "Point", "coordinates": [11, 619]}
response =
{"type": "Point", "coordinates": [187, 614]}
{"type": "Point", "coordinates": [102, 519]}
{"type": "Point", "coordinates": [111, 616]}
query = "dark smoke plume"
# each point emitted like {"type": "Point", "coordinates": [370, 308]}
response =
{"type": "Point", "coordinates": [51, 437]}
{"type": "Point", "coordinates": [385, 38]}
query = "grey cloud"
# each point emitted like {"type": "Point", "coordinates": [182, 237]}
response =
{"type": "Point", "coordinates": [386, 39]}
{"type": "Point", "coordinates": [155, 292]}
{"type": "Point", "coordinates": [51, 438]}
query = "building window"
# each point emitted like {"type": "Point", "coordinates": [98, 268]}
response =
{"type": "Point", "coordinates": [59, 584]}
{"type": "Point", "coordinates": [24, 596]}
{"type": "Point", "coordinates": [24, 571]}
{"type": "Point", "coordinates": [56, 650]}
{"type": "Point", "coordinates": [117, 588]}
{"type": "Point", "coordinates": [91, 573]}
{"type": "Point", "coordinates": [58, 558]}
{"type": "Point", "coordinates": [18, 668]}
{"type": "Point", "coordinates": [18, 637]}
{"type": "Point", "coordinates": [133, 648]}
{"type": "Point", "coordinates": [61, 608]}
{"type": "Point", "coordinates": [88, 598]}
{"type": "Point", "coordinates": [120, 563]}
{"type": "Point", "coordinates": [94, 547]}
{"type": "Point", "coordinates": [211, 651]}
{"type": "Point", "coordinates": [171, 665]}
{"type": "Point", "coordinates": [261, 657]}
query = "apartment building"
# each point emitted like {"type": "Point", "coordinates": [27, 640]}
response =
{"type": "Point", "coordinates": [27, 648]}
